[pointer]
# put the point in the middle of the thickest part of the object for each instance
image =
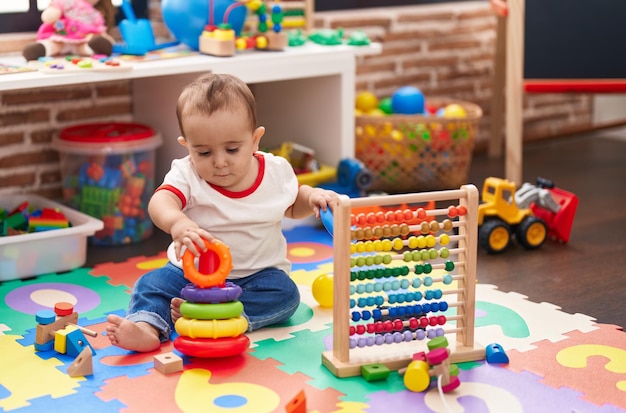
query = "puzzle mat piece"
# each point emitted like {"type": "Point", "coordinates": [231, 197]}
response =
{"type": "Point", "coordinates": [308, 255]}
{"type": "Point", "coordinates": [90, 296]}
{"type": "Point", "coordinates": [285, 385]}
{"type": "Point", "coordinates": [75, 403]}
{"type": "Point", "coordinates": [544, 320]}
{"type": "Point", "coordinates": [308, 232]}
{"type": "Point", "coordinates": [207, 384]}
{"type": "Point", "coordinates": [487, 388]}
{"type": "Point", "coordinates": [21, 384]}
{"type": "Point", "coordinates": [593, 363]}
{"type": "Point", "coordinates": [63, 66]}
{"type": "Point", "coordinates": [128, 272]}
{"type": "Point", "coordinates": [4, 328]}
{"type": "Point", "coordinates": [308, 247]}
{"type": "Point", "coordinates": [303, 354]}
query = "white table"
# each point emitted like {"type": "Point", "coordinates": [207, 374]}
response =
{"type": "Point", "coordinates": [304, 94]}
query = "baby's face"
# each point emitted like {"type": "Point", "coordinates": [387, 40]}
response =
{"type": "Point", "coordinates": [221, 147]}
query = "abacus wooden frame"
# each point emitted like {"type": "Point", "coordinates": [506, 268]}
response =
{"type": "Point", "coordinates": [463, 348]}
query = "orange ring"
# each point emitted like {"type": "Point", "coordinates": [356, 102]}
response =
{"type": "Point", "coordinates": [218, 277]}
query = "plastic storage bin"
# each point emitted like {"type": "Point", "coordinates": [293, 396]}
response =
{"type": "Point", "coordinates": [55, 250]}
{"type": "Point", "coordinates": [108, 173]}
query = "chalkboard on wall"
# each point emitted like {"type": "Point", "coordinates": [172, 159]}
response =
{"type": "Point", "coordinates": [326, 5]}
{"type": "Point", "coordinates": [575, 39]}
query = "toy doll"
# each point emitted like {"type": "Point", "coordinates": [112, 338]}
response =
{"type": "Point", "coordinates": [73, 27]}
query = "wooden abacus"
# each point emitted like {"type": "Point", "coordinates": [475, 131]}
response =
{"type": "Point", "coordinates": [371, 253]}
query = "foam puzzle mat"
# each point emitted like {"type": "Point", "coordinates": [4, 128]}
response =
{"type": "Point", "coordinates": [558, 362]}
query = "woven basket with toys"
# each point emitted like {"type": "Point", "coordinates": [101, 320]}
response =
{"type": "Point", "coordinates": [422, 152]}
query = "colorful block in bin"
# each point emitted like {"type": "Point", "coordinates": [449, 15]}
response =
{"type": "Point", "coordinates": [26, 255]}
{"type": "Point", "coordinates": [108, 173]}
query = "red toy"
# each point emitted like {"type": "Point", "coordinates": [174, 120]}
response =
{"type": "Point", "coordinates": [559, 223]}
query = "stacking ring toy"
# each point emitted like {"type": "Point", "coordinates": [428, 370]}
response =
{"type": "Point", "coordinates": [217, 250]}
{"type": "Point", "coordinates": [193, 328]}
{"type": "Point", "coordinates": [219, 311]}
{"type": "Point", "coordinates": [211, 295]}
{"type": "Point", "coordinates": [212, 347]}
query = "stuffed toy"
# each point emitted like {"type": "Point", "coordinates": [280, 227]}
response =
{"type": "Point", "coordinates": [73, 27]}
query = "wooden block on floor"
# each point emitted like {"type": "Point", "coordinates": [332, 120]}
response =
{"type": "Point", "coordinates": [82, 365]}
{"type": "Point", "coordinates": [297, 404]}
{"type": "Point", "coordinates": [168, 363]}
{"type": "Point", "coordinates": [376, 371]}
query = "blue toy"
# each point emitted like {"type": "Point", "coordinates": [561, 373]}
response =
{"type": "Point", "coordinates": [494, 354]}
{"type": "Point", "coordinates": [137, 34]}
{"type": "Point", "coordinates": [327, 220]}
{"type": "Point", "coordinates": [353, 179]}
{"type": "Point", "coordinates": [186, 19]}
{"type": "Point", "coordinates": [407, 100]}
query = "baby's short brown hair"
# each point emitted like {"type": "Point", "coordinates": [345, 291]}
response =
{"type": "Point", "coordinates": [215, 92]}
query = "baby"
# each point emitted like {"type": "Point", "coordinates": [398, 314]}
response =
{"type": "Point", "coordinates": [224, 189]}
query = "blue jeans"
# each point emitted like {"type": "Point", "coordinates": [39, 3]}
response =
{"type": "Point", "coordinates": [269, 297]}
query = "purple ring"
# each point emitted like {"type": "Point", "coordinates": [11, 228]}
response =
{"type": "Point", "coordinates": [213, 295]}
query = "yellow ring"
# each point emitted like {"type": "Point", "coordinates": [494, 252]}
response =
{"type": "Point", "coordinates": [193, 328]}
{"type": "Point", "coordinates": [218, 277]}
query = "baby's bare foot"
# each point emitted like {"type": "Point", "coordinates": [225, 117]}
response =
{"type": "Point", "coordinates": [128, 335]}
{"type": "Point", "coordinates": [175, 308]}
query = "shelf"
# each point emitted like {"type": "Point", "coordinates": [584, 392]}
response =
{"type": "Point", "coordinates": [249, 66]}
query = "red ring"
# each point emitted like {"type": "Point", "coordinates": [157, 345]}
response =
{"type": "Point", "coordinates": [212, 347]}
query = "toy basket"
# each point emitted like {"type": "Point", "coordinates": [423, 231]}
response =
{"type": "Point", "coordinates": [410, 153]}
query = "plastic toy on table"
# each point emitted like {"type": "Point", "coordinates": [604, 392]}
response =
{"type": "Point", "coordinates": [137, 34]}
{"type": "Point", "coordinates": [78, 27]}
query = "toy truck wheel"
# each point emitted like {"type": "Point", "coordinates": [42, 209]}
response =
{"type": "Point", "coordinates": [531, 232]}
{"type": "Point", "coordinates": [494, 236]}
{"type": "Point", "coordinates": [364, 179]}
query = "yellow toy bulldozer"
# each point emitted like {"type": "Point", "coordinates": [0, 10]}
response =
{"type": "Point", "coordinates": [499, 217]}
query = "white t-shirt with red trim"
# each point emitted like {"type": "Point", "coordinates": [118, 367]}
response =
{"type": "Point", "coordinates": [250, 221]}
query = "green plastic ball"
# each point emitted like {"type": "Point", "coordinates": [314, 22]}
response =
{"type": "Point", "coordinates": [385, 105]}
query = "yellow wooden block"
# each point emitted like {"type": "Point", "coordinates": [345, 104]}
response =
{"type": "Point", "coordinates": [60, 339]}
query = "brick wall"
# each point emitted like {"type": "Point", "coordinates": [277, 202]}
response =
{"type": "Point", "coordinates": [445, 50]}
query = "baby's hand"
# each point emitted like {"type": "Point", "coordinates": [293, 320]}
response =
{"type": "Point", "coordinates": [321, 199]}
{"type": "Point", "coordinates": [191, 236]}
